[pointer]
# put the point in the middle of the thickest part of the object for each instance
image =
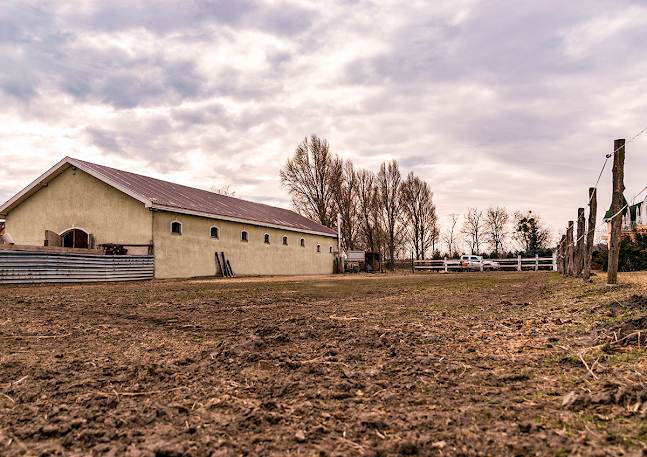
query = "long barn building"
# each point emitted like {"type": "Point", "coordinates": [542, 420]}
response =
{"type": "Point", "coordinates": [84, 205]}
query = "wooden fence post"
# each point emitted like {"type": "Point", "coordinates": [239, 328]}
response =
{"type": "Point", "coordinates": [554, 260]}
{"type": "Point", "coordinates": [569, 250]}
{"type": "Point", "coordinates": [519, 262]}
{"type": "Point", "coordinates": [590, 234]}
{"type": "Point", "coordinates": [536, 262]}
{"type": "Point", "coordinates": [562, 256]}
{"type": "Point", "coordinates": [616, 206]}
{"type": "Point", "coordinates": [445, 264]}
{"type": "Point", "coordinates": [579, 245]}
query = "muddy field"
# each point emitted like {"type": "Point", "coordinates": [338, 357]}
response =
{"type": "Point", "coordinates": [375, 365]}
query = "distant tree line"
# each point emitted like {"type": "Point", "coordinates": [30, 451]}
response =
{"type": "Point", "coordinates": [497, 233]}
{"type": "Point", "coordinates": [379, 211]}
{"type": "Point", "coordinates": [384, 212]}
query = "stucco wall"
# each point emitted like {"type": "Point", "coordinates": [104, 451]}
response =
{"type": "Point", "coordinates": [85, 202]}
{"type": "Point", "coordinates": [193, 252]}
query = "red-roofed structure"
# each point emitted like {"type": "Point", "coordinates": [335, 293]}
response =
{"type": "Point", "coordinates": [81, 204]}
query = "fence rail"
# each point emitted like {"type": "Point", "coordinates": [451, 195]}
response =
{"type": "Point", "coordinates": [29, 267]}
{"type": "Point", "coordinates": [519, 264]}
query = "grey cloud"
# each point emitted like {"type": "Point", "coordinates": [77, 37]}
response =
{"type": "Point", "coordinates": [105, 140]}
{"type": "Point", "coordinates": [24, 89]}
{"type": "Point", "coordinates": [159, 16]}
{"type": "Point", "coordinates": [199, 116]}
{"type": "Point", "coordinates": [111, 76]}
{"type": "Point", "coordinates": [164, 17]}
{"type": "Point", "coordinates": [8, 30]}
{"type": "Point", "coordinates": [127, 90]}
{"type": "Point", "coordinates": [285, 19]}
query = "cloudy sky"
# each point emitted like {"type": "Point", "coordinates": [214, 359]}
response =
{"type": "Point", "coordinates": [493, 102]}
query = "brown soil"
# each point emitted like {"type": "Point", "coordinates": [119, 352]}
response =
{"type": "Point", "coordinates": [373, 365]}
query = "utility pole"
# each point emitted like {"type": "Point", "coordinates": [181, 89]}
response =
{"type": "Point", "coordinates": [579, 256]}
{"type": "Point", "coordinates": [616, 207]}
{"type": "Point", "coordinates": [590, 234]}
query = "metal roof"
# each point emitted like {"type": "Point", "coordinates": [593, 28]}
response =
{"type": "Point", "coordinates": [167, 196]}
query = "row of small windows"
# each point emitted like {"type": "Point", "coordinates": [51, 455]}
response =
{"type": "Point", "coordinates": [176, 229]}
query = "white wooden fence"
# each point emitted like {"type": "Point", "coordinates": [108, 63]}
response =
{"type": "Point", "coordinates": [533, 263]}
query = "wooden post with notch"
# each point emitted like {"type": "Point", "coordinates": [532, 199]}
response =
{"type": "Point", "coordinates": [561, 255]}
{"type": "Point", "coordinates": [590, 234]}
{"type": "Point", "coordinates": [569, 250]}
{"type": "Point", "coordinates": [616, 207]}
{"type": "Point", "coordinates": [562, 260]}
{"type": "Point", "coordinates": [579, 245]}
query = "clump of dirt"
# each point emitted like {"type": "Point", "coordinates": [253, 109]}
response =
{"type": "Point", "coordinates": [612, 393]}
{"type": "Point", "coordinates": [630, 304]}
{"type": "Point", "coordinates": [623, 330]}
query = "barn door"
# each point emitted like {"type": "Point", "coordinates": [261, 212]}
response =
{"type": "Point", "coordinates": [53, 239]}
{"type": "Point", "coordinates": [75, 239]}
{"type": "Point", "coordinates": [80, 239]}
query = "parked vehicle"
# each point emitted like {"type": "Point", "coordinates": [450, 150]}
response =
{"type": "Point", "coordinates": [491, 265]}
{"type": "Point", "coordinates": [474, 262]}
{"type": "Point", "coordinates": [455, 264]}
{"type": "Point", "coordinates": [471, 262]}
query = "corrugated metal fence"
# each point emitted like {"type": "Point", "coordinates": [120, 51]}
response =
{"type": "Point", "coordinates": [28, 267]}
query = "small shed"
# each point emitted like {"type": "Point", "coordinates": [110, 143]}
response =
{"type": "Point", "coordinates": [362, 261]}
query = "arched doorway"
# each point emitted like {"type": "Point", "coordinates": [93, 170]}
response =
{"type": "Point", "coordinates": [75, 238]}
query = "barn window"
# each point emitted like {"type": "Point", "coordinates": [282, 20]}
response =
{"type": "Point", "coordinates": [330, 249]}
{"type": "Point", "coordinates": [303, 242]}
{"type": "Point", "coordinates": [285, 240]}
{"type": "Point", "coordinates": [318, 249]}
{"type": "Point", "coordinates": [176, 228]}
{"type": "Point", "coordinates": [244, 236]}
{"type": "Point", "coordinates": [266, 238]}
{"type": "Point", "coordinates": [215, 232]}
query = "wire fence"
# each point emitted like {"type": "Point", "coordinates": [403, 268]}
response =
{"type": "Point", "coordinates": [574, 241]}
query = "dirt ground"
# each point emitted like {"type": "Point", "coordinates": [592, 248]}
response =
{"type": "Point", "coordinates": [496, 363]}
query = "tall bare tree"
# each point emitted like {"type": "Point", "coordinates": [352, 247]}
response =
{"type": "Point", "coordinates": [434, 235]}
{"type": "Point", "coordinates": [496, 227]}
{"type": "Point", "coordinates": [347, 202]}
{"type": "Point", "coordinates": [451, 236]}
{"type": "Point", "coordinates": [473, 229]}
{"type": "Point", "coordinates": [311, 177]}
{"type": "Point", "coordinates": [388, 182]}
{"type": "Point", "coordinates": [369, 210]}
{"type": "Point", "coordinates": [419, 214]}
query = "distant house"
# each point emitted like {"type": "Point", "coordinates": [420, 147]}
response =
{"type": "Point", "coordinates": [634, 218]}
{"type": "Point", "coordinates": [83, 205]}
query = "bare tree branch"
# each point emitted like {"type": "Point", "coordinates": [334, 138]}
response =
{"type": "Point", "coordinates": [472, 229]}
{"type": "Point", "coordinates": [451, 237]}
{"type": "Point", "coordinates": [419, 214]}
{"type": "Point", "coordinates": [368, 209]}
{"type": "Point", "coordinates": [311, 177]}
{"type": "Point", "coordinates": [496, 227]}
{"type": "Point", "coordinates": [388, 181]}
{"type": "Point", "coordinates": [346, 200]}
